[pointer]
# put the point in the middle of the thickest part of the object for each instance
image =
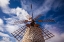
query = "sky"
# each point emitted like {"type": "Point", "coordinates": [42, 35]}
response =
{"type": "Point", "coordinates": [14, 10]}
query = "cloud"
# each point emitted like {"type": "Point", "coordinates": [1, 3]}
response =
{"type": "Point", "coordinates": [20, 13]}
{"type": "Point", "coordinates": [58, 4]}
{"type": "Point", "coordinates": [11, 28]}
{"type": "Point", "coordinates": [1, 29]}
{"type": "Point", "coordinates": [4, 3]}
{"type": "Point", "coordinates": [3, 34]}
{"type": "Point", "coordinates": [6, 9]}
{"type": "Point", "coordinates": [59, 37]}
{"type": "Point", "coordinates": [6, 39]}
{"type": "Point", "coordinates": [52, 28]}
{"type": "Point", "coordinates": [1, 21]}
{"type": "Point", "coordinates": [21, 16]}
{"type": "Point", "coordinates": [44, 8]}
{"type": "Point", "coordinates": [1, 25]}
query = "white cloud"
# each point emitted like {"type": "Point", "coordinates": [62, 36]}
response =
{"type": "Point", "coordinates": [43, 9]}
{"type": "Point", "coordinates": [1, 28]}
{"type": "Point", "coordinates": [5, 35]}
{"type": "Point", "coordinates": [5, 8]}
{"type": "Point", "coordinates": [11, 28]}
{"type": "Point", "coordinates": [21, 15]}
{"type": "Point", "coordinates": [1, 25]}
{"type": "Point", "coordinates": [52, 28]}
{"type": "Point", "coordinates": [4, 3]}
{"type": "Point", "coordinates": [6, 39]}
{"type": "Point", "coordinates": [18, 11]}
{"type": "Point", "coordinates": [1, 21]}
{"type": "Point", "coordinates": [46, 6]}
{"type": "Point", "coordinates": [59, 37]}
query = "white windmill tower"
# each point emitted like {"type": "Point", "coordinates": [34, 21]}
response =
{"type": "Point", "coordinates": [32, 32]}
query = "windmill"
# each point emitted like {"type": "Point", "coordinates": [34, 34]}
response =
{"type": "Point", "coordinates": [32, 32]}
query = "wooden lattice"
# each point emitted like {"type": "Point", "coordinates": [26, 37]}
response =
{"type": "Point", "coordinates": [18, 34]}
{"type": "Point", "coordinates": [47, 35]}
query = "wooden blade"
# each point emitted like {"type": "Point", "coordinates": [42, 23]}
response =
{"type": "Point", "coordinates": [28, 25]}
{"type": "Point", "coordinates": [26, 21]}
{"type": "Point", "coordinates": [48, 20]}
{"type": "Point", "coordinates": [28, 17]}
{"type": "Point", "coordinates": [37, 16]}
{"type": "Point", "coordinates": [36, 25]}
{"type": "Point", "coordinates": [19, 22]}
{"type": "Point", "coordinates": [40, 21]}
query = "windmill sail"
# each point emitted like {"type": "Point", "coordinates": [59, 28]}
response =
{"type": "Point", "coordinates": [47, 35]}
{"type": "Point", "coordinates": [18, 34]}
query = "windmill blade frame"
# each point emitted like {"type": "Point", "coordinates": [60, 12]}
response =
{"type": "Point", "coordinates": [18, 34]}
{"type": "Point", "coordinates": [21, 22]}
{"type": "Point", "coordinates": [48, 20]}
{"type": "Point", "coordinates": [37, 16]}
{"type": "Point", "coordinates": [47, 35]}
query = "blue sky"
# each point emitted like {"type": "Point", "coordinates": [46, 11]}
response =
{"type": "Point", "coordinates": [13, 10]}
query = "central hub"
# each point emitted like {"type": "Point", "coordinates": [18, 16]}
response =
{"type": "Point", "coordinates": [32, 23]}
